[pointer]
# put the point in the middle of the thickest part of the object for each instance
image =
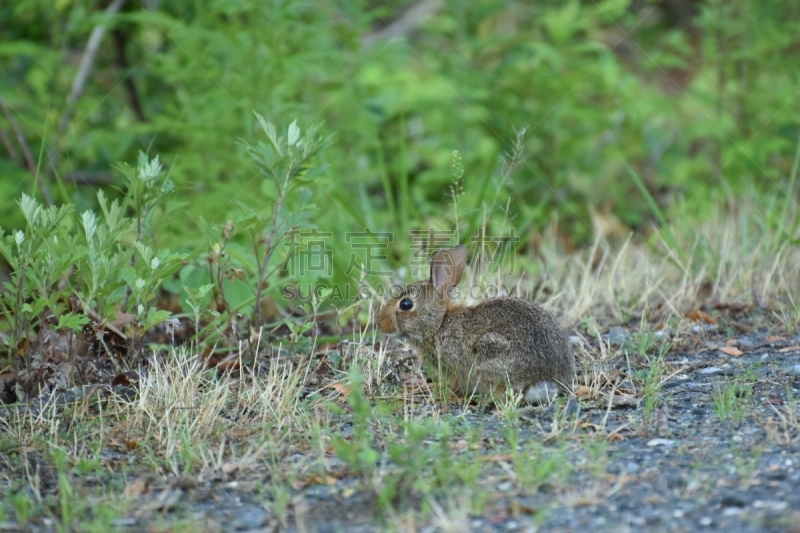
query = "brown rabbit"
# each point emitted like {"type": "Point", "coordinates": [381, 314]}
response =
{"type": "Point", "coordinates": [486, 348]}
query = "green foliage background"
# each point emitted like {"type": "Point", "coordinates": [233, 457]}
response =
{"type": "Point", "coordinates": [701, 105]}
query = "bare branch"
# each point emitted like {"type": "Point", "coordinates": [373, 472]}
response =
{"type": "Point", "coordinates": [26, 152]}
{"type": "Point", "coordinates": [416, 15]}
{"type": "Point", "coordinates": [87, 62]}
{"type": "Point", "coordinates": [10, 147]}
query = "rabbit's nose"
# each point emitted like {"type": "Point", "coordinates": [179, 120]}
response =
{"type": "Point", "coordinates": [385, 324]}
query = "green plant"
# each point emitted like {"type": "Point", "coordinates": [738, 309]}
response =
{"type": "Point", "coordinates": [535, 464]}
{"type": "Point", "coordinates": [80, 266]}
{"type": "Point", "coordinates": [358, 452]}
{"type": "Point", "coordinates": [22, 505]}
{"type": "Point", "coordinates": [730, 401]}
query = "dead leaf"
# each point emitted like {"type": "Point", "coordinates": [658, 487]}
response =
{"type": "Point", "coordinates": [774, 338]}
{"type": "Point", "coordinates": [518, 509]}
{"type": "Point", "coordinates": [137, 487]}
{"type": "Point", "coordinates": [229, 468]}
{"type": "Point", "coordinates": [616, 436]}
{"type": "Point", "coordinates": [608, 225]}
{"type": "Point", "coordinates": [795, 348]}
{"type": "Point", "coordinates": [495, 458]}
{"type": "Point", "coordinates": [699, 316]}
{"type": "Point", "coordinates": [733, 351]}
{"type": "Point", "coordinates": [300, 484]}
{"type": "Point", "coordinates": [342, 388]}
{"type": "Point", "coordinates": [734, 307]}
{"type": "Point", "coordinates": [583, 391]}
{"type": "Point", "coordinates": [123, 319]}
{"type": "Point", "coordinates": [126, 379]}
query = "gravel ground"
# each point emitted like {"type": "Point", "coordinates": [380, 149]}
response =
{"type": "Point", "coordinates": [689, 469]}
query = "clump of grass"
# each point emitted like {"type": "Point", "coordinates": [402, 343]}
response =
{"type": "Point", "coordinates": [730, 401]}
{"type": "Point", "coordinates": [732, 256]}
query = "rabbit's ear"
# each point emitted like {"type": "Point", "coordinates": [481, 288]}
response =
{"type": "Point", "coordinates": [447, 267]}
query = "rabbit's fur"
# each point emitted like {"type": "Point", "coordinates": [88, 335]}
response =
{"type": "Point", "coordinates": [486, 348]}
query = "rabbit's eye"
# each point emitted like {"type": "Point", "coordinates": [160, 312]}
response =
{"type": "Point", "coordinates": [406, 304]}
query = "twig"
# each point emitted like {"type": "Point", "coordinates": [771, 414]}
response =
{"type": "Point", "coordinates": [10, 147]}
{"type": "Point", "coordinates": [25, 150]}
{"type": "Point", "coordinates": [87, 62]}
{"type": "Point", "coordinates": [120, 40]}
{"type": "Point", "coordinates": [97, 318]}
{"type": "Point", "coordinates": [85, 177]}
{"type": "Point", "coordinates": [414, 17]}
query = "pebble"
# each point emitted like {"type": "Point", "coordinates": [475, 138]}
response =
{"type": "Point", "coordinates": [632, 467]}
{"type": "Point", "coordinates": [704, 327]}
{"type": "Point", "coordinates": [796, 370]}
{"type": "Point", "coordinates": [617, 335]}
{"type": "Point", "coordinates": [505, 486]}
{"type": "Point", "coordinates": [637, 521]}
{"type": "Point", "coordinates": [705, 521]}
{"type": "Point", "coordinates": [627, 385]}
{"type": "Point", "coordinates": [744, 343]}
{"type": "Point", "coordinates": [711, 370]}
{"type": "Point", "coordinates": [572, 409]}
{"type": "Point", "coordinates": [732, 500]}
{"type": "Point", "coordinates": [678, 513]}
{"type": "Point", "coordinates": [660, 442]}
{"type": "Point", "coordinates": [248, 519]}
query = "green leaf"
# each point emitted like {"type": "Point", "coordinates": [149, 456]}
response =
{"type": "Point", "coordinates": [72, 321]}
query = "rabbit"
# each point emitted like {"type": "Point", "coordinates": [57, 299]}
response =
{"type": "Point", "coordinates": [486, 348]}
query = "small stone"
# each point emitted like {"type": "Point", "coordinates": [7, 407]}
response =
{"type": "Point", "coordinates": [248, 519]}
{"type": "Point", "coordinates": [745, 343]}
{"type": "Point", "coordinates": [572, 409]}
{"type": "Point", "coordinates": [632, 467]}
{"type": "Point", "coordinates": [676, 482]}
{"type": "Point", "coordinates": [637, 521]}
{"type": "Point", "coordinates": [574, 339]}
{"type": "Point", "coordinates": [678, 513]}
{"type": "Point", "coordinates": [732, 500]}
{"type": "Point", "coordinates": [711, 370]}
{"type": "Point", "coordinates": [704, 327]}
{"type": "Point", "coordinates": [617, 336]}
{"type": "Point", "coordinates": [660, 442]}
{"type": "Point", "coordinates": [505, 486]}
{"type": "Point", "coordinates": [627, 385]}
{"type": "Point", "coordinates": [705, 521]}
{"type": "Point", "coordinates": [796, 370]}
{"type": "Point", "coordinates": [731, 511]}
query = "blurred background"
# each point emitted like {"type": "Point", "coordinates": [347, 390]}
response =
{"type": "Point", "coordinates": [636, 113]}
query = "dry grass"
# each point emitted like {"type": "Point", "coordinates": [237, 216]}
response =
{"type": "Point", "coordinates": [729, 258]}
{"type": "Point", "coordinates": [187, 420]}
